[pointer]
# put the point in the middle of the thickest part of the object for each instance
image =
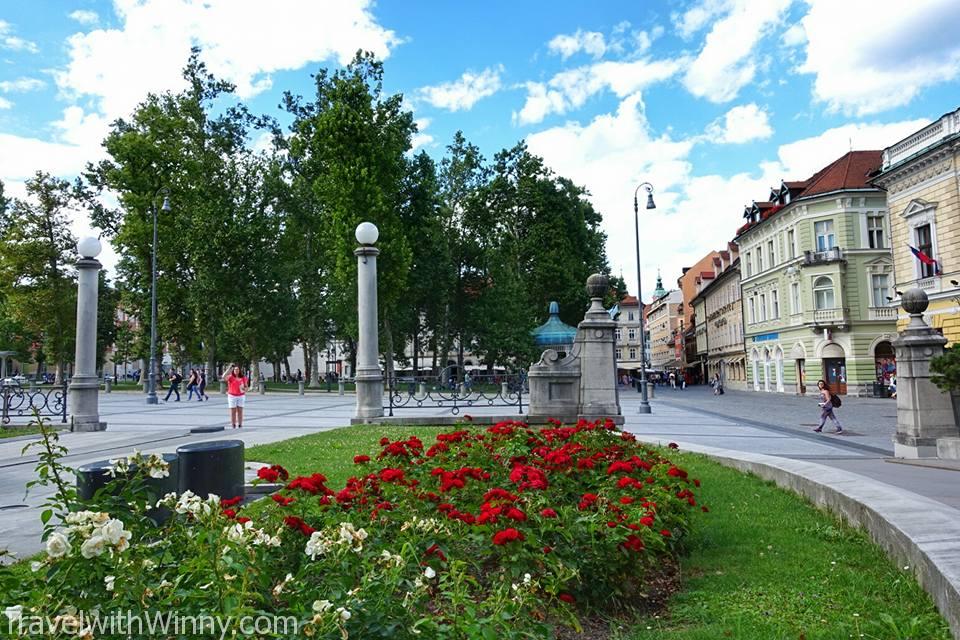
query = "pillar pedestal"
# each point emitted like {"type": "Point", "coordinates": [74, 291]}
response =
{"type": "Point", "coordinates": [84, 390]}
{"type": "Point", "coordinates": [924, 413]}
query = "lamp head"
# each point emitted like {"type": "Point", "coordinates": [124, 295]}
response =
{"type": "Point", "coordinates": [955, 283]}
{"type": "Point", "coordinates": [650, 204]}
{"type": "Point", "coordinates": [367, 233]}
{"type": "Point", "coordinates": [89, 247]}
{"type": "Point", "coordinates": [166, 204]}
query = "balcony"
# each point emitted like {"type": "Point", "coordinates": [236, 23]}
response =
{"type": "Point", "coordinates": [930, 285]}
{"type": "Point", "coordinates": [823, 257]}
{"type": "Point", "coordinates": [822, 318]}
{"type": "Point", "coordinates": [882, 313]}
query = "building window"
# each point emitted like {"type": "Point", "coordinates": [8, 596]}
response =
{"type": "Point", "coordinates": [619, 334]}
{"type": "Point", "coordinates": [749, 265]}
{"type": "Point", "coordinates": [631, 334]}
{"type": "Point", "coordinates": [795, 297]}
{"type": "Point", "coordinates": [630, 315]}
{"type": "Point", "coordinates": [775, 301]}
{"type": "Point", "coordinates": [771, 255]}
{"type": "Point", "coordinates": [759, 259]}
{"type": "Point", "coordinates": [875, 232]}
{"type": "Point", "coordinates": [925, 244]}
{"type": "Point", "coordinates": [763, 307]}
{"type": "Point", "coordinates": [753, 310]}
{"type": "Point", "coordinates": [823, 293]}
{"type": "Point", "coordinates": [824, 232]}
{"type": "Point", "coordinates": [791, 244]}
{"type": "Point", "coordinates": [619, 354]}
{"type": "Point", "coordinates": [881, 288]}
{"type": "Point", "coordinates": [633, 354]}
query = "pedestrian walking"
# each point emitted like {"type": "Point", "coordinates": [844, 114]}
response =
{"type": "Point", "coordinates": [717, 385]}
{"type": "Point", "coordinates": [175, 380]}
{"type": "Point", "coordinates": [673, 380]}
{"type": "Point", "coordinates": [236, 394]}
{"type": "Point", "coordinates": [828, 401]}
{"type": "Point", "coordinates": [192, 385]}
{"type": "Point", "coordinates": [202, 386]}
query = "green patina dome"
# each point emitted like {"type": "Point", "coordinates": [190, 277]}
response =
{"type": "Point", "coordinates": [554, 331]}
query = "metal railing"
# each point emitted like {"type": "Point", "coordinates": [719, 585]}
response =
{"type": "Point", "coordinates": [19, 402]}
{"type": "Point", "coordinates": [445, 393]}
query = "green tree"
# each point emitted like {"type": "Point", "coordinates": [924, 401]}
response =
{"type": "Point", "coordinates": [37, 252]}
{"type": "Point", "coordinates": [945, 369]}
{"type": "Point", "coordinates": [108, 299]}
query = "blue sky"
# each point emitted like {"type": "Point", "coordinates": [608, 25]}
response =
{"type": "Point", "coordinates": [713, 101]}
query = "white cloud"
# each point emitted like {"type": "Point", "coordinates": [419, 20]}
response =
{"type": "Point", "coordinates": [727, 62]}
{"type": "Point", "coordinates": [740, 124]}
{"type": "Point", "coordinates": [466, 91]}
{"type": "Point", "coordinates": [590, 42]}
{"type": "Point", "coordinates": [5, 104]}
{"type": "Point", "coordinates": [84, 16]}
{"type": "Point", "coordinates": [698, 16]}
{"type": "Point", "coordinates": [794, 36]}
{"type": "Point", "coordinates": [887, 59]}
{"type": "Point", "coordinates": [615, 152]}
{"type": "Point", "coordinates": [12, 42]}
{"type": "Point", "coordinates": [21, 85]}
{"type": "Point", "coordinates": [570, 89]}
{"type": "Point", "coordinates": [241, 43]}
{"type": "Point", "coordinates": [421, 138]}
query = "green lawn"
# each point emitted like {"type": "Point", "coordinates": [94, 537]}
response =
{"type": "Point", "coordinates": [763, 564]}
{"type": "Point", "coordinates": [12, 432]}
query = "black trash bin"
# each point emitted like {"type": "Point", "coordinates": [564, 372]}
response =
{"type": "Point", "coordinates": [878, 390]}
{"type": "Point", "coordinates": [212, 467]}
{"type": "Point", "coordinates": [95, 475]}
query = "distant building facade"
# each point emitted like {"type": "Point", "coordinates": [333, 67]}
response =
{"type": "Point", "coordinates": [719, 323]}
{"type": "Point", "coordinates": [629, 342]}
{"type": "Point", "coordinates": [920, 177]}
{"type": "Point", "coordinates": [815, 270]}
{"type": "Point", "coordinates": [664, 321]}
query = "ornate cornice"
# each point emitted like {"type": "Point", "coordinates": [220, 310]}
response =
{"type": "Point", "coordinates": [936, 162]}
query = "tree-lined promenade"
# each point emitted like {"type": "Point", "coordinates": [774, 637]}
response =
{"type": "Point", "coordinates": [255, 251]}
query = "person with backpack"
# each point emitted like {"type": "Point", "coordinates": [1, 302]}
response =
{"type": "Point", "coordinates": [175, 380]}
{"type": "Point", "coordinates": [192, 382]}
{"type": "Point", "coordinates": [828, 402]}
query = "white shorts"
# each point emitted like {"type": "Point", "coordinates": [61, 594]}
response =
{"type": "Point", "coordinates": [235, 401]}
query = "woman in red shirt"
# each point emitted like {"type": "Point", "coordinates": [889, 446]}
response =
{"type": "Point", "coordinates": [236, 393]}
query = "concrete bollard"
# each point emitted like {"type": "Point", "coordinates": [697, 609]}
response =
{"type": "Point", "coordinates": [33, 386]}
{"type": "Point", "coordinates": [263, 387]}
{"type": "Point", "coordinates": [422, 390]}
{"type": "Point", "coordinates": [223, 387]}
{"type": "Point", "coordinates": [504, 389]}
{"type": "Point", "coordinates": [650, 390]}
{"type": "Point", "coordinates": [300, 387]}
{"type": "Point", "coordinates": [463, 389]}
{"type": "Point", "coordinates": [340, 388]}
{"type": "Point", "coordinates": [107, 384]}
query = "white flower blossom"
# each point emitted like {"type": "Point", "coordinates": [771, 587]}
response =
{"type": "Point", "coordinates": [93, 547]}
{"type": "Point", "coordinates": [14, 613]}
{"type": "Point", "coordinates": [58, 545]}
{"type": "Point", "coordinates": [321, 606]}
{"type": "Point", "coordinates": [316, 545]}
{"type": "Point", "coordinates": [344, 614]}
{"type": "Point", "coordinates": [108, 582]}
{"type": "Point", "coordinates": [429, 573]}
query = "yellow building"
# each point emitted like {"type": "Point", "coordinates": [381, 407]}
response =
{"type": "Point", "coordinates": [920, 176]}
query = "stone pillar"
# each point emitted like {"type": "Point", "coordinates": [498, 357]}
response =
{"type": "Point", "coordinates": [84, 390]}
{"type": "Point", "coordinates": [300, 387]}
{"type": "Point", "coordinates": [597, 351]}
{"type": "Point", "coordinates": [369, 379]}
{"type": "Point", "coordinates": [340, 387]}
{"type": "Point", "coordinates": [924, 413]}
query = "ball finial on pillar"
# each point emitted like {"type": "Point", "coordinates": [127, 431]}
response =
{"type": "Point", "coordinates": [915, 301]}
{"type": "Point", "coordinates": [367, 233]}
{"type": "Point", "coordinates": [89, 247]}
{"type": "Point", "coordinates": [597, 285]}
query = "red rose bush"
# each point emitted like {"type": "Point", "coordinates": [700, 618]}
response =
{"type": "Point", "coordinates": [501, 532]}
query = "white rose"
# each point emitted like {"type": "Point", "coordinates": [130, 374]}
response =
{"type": "Point", "coordinates": [113, 532]}
{"type": "Point", "coordinates": [14, 613]}
{"type": "Point", "coordinates": [58, 545]}
{"type": "Point", "coordinates": [36, 566]}
{"type": "Point", "coordinates": [429, 573]}
{"type": "Point", "coordinates": [108, 582]}
{"type": "Point", "coordinates": [322, 605]}
{"type": "Point", "coordinates": [344, 614]}
{"type": "Point", "coordinates": [93, 547]}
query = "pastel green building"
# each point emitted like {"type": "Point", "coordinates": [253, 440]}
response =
{"type": "Point", "coordinates": [816, 275]}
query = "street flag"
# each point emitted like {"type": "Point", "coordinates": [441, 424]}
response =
{"type": "Point", "coordinates": [925, 259]}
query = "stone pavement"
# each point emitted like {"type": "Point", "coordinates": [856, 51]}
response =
{"type": "Point", "coordinates": [162, 428]}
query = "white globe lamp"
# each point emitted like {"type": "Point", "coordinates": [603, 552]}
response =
{"type": "Point", "coordinates": [367, 233]}
{"type": "Point", "coordinates": [89, 247]}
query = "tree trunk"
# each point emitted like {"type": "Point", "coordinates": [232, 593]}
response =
{"type": "Point", "coordinates": [315, 369]}
{"type": "Point", "coordinates": [305, 346]}
{"type": "Point", "coordinates": [143, 372]}
{"type": "Point", "coordinates": [286, 367]}
{"type": "Point", "coordinates": [416, 350]}
{"type": "Point", "coordinates": [460, 360]}
{"type": "Point", "coordinates": [211, 347]}
{"type": "Point", "coordinates": [388, 350]}
{"type": "Point", "coordinates": [58, 373]}
{"type": "Point", "coordinates": [433, 350]}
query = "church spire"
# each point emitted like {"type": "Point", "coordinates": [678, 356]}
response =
{"type": "Point", "coordinates": [659, 292]}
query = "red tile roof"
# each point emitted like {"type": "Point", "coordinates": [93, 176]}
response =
{"type": "Point", "coordinates": [629, 301]}
{"type": "Point", "coordinates": [707, 275]}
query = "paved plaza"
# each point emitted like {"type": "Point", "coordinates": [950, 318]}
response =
{"type": "Point", "coordinates": [693, 417]}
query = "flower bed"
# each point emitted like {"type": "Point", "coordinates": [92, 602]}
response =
{"type": "Point", "coordinates": [502, 533]}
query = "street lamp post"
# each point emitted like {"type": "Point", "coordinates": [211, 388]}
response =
{"type": "Point", "coordinates": [152, 393]}
{"type": "Point", "coordinates": [644, 402]}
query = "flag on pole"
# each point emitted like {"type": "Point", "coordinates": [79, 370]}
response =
{"type": "Point", "coordinates": [925, 259]}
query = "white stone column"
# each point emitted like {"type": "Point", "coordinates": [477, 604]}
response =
{"type": "Point", "coordinates": [369, 379]}
{"type": "Point", "coordinates": [596, 348]}
{"type": "Point", "coordinates": [926, 426]}
{"type": "Point", "coordinates": [83, 401]}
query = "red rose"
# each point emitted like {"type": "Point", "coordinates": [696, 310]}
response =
{"type": "Point", "coordinates": [507, 535]}
{"type": "Point", "coordinates": [361, 459]}
{"type": "Point", "coordinates": [665, 533]}
{"type": "Point", "coordinates": [566, 597]}
{"type": "Point", "coordinates": [547, 550]}
{"type": "Point", "coordinates": [280, 500]}
{"type": "Point", "coordinates": [626, 500]}
{"type": "Point", "coordinates": [673, 445]}
{"type": "Point", "coordinates": [515, 514]}
{"type": "Point", "coordinates": [243, 519]}
{"type": "Point", "coordinates": [268, 474]}
{"type": "Point", "coordinates": [548, 513]}
{"type": "Point", "coordinates": [231, 502]}
{"type": "Point", "coordinates": [646, 521]}
{"type": "Point", "coordinates": [704, 509]}
{"type": "Point", "coordinates": [229, 513]}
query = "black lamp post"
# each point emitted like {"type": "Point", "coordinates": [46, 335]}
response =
{"type": "Point", "coordinates": [152, 393]}
{"type": "Point", "coordinates": [644, 402]}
